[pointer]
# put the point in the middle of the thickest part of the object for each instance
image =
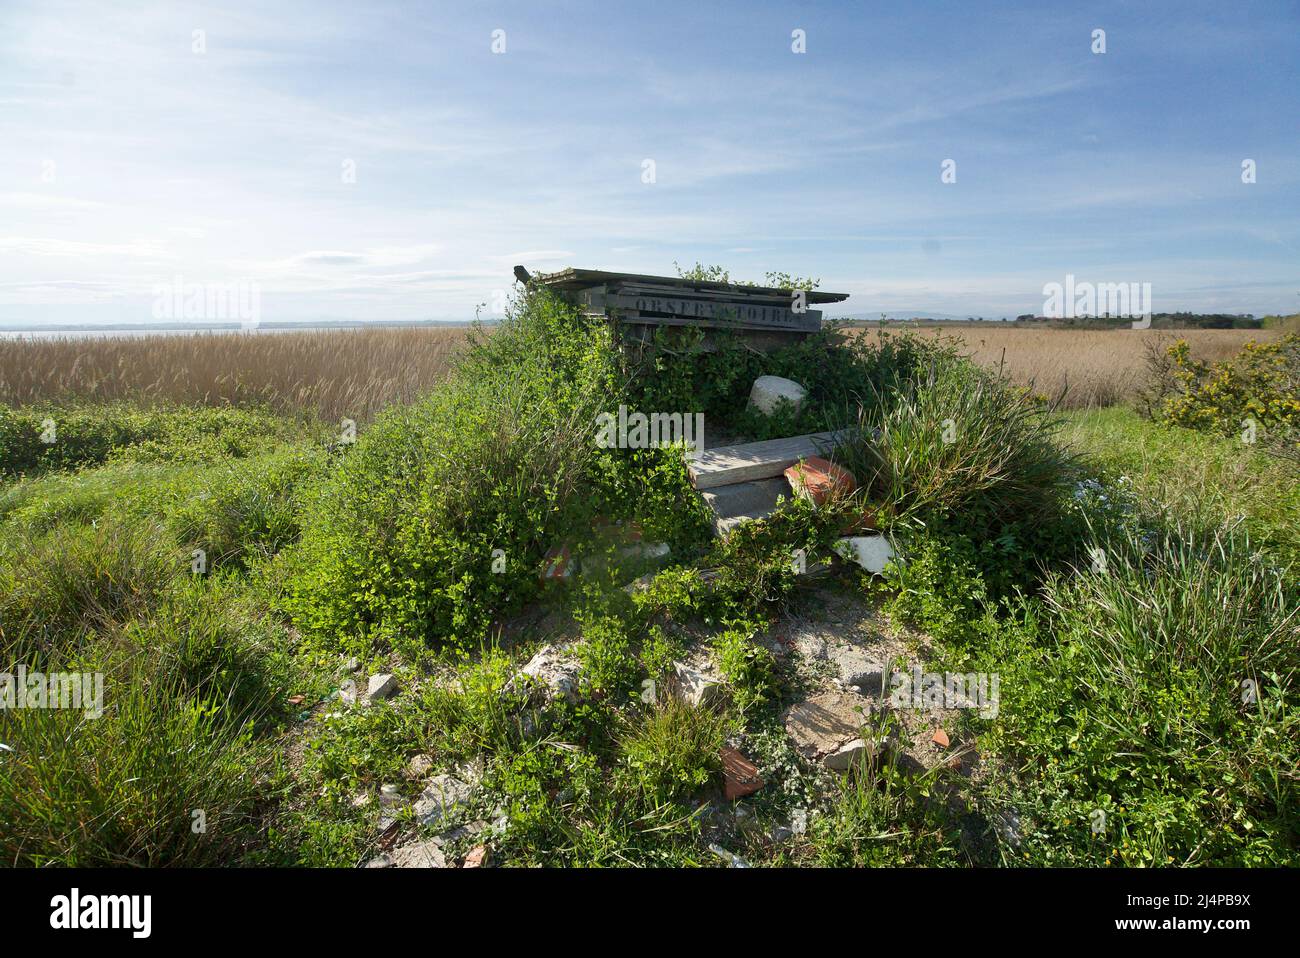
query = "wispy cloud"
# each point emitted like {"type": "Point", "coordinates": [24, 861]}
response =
{"type": "Point", "coordinates": [376, 161]}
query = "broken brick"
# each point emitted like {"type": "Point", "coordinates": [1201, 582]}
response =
{"type": "Point", "coordinates": [940, 738]}
{"type": "Point", "coordinates": [557, 564]}
{"type": "Point", "coordinates": [740, 773]}
{"type": "Point", "coordinates": [478, 857]}
{"type": "Point", "coordinates": [820, 480]}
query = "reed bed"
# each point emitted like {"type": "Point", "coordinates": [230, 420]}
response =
{"type": "Point", "coordinates": [354, 373]}
{"type": "Point", "coordinates": [1094, 368]}
{"type": "Point", "coordinates": [350, 373]}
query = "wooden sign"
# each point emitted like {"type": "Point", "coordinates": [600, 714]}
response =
{"type": "Point", "coordinates": [668, 301]}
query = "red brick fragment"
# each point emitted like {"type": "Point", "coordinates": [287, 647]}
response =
{"type": "Point", "coordinates": [557, 564]}
{"type": "Point", "coordinates": [740, 773]}
{"type": "Point", "coordinates": [820, 480]}
{"type": "Point", "coordinates": [940, 738]}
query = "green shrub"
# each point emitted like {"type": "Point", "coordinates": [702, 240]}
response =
{"type": "Point", "coordinates": [401, 539]}
{"type": "Point", "coordinates": [959, 447]}
{"type": "Point", "coordinates": [684, 372]}
{"type": "Point", "coordinates": [1254, 396]}
{"type": "Point", "coordinates": [1159, 691]}
{"type": "Point", "coordinates": [940, 588]}
{"type": "Point", "coordinates": [749, 669]}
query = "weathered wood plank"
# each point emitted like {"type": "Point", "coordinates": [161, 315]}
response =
{"type": "Point", "coordinates": [726, 296]}
{"type": "Point", "coordinates": [726, 465]}
{"type": "Point", "coordinates": [711, 313]}
{"type": "Point", "coordinates": [573, 279]}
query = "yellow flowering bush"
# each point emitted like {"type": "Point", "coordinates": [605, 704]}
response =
{"type": "Point", "coordinates": [1255, 394]}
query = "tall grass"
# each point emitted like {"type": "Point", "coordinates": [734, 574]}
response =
{"type": "Point", "coordinates": [958, 444]}
{"type": "Point", "coordinates": [335, 374]}
{"type": "Point", "coordinates": [356, 373]}
{"type": "Point", "coordinates": [1163, 696]}
{"type": "Point", "coordinates": [123, 788]}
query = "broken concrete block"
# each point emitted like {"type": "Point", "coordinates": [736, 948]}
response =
{"type": "Point", "coordinates": [418, 855]}
{"type": "Point", "coordinates": [769, 392]}
{"type": "Point", "coordinates": [557, 565]}
{"type": "Point", "coordinates": [823, 723]}
{"type": "Point", "coordinates": [696, 688]}
{"type": "Point", "coordinates": [869, 681]}
{"type": "Point", "coordinates": [441, 796]}
{"type": "Point", "coordinates": [381, 687]}
{"type": "Point", "coordinates": [846, 756]}
{"type": "Point", "coordinates": [640, 584]}
{"type": "Point", "coordinates": [347, 692]}
{"type": "Point", "coordinates": [740, 774]}
{"type": "Point", "coordinates": [645, 551]}
{"type": "Point", "coordinates": [873, 553]}
{"type": "Point", "coordinates": [419, 766]}
{"type": "Point", "coordinates": [552, 671]}
{"type": "Point", "coordinates": [820, 480]}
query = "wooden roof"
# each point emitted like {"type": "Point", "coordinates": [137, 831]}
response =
{"type": "Point", "coordinates": [575, 279]}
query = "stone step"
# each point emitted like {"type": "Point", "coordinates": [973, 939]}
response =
{"type": "Point", "coordinates": [742, 497]}
{"type": "Point", "coordinates": [728, 465]}
{"type": "Point", "coordinates": [724, 524]}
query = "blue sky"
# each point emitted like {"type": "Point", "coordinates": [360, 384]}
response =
{"type": "Point", "coordinates": [129, 160]}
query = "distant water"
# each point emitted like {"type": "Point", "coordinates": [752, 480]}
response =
{"type": "Point", "coordinates": [136, 332]}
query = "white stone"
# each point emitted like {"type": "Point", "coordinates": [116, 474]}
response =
{"type": "Point", "coordinates": [846, 756]}
{"type": "Point", "coordinates": [549, 668]}
{"type": "Point", "coordinates": [768, 391]}
{"type": "Point", "coordinates": [694, 687]}
{"type": "Point", "coordinates": [441, 795]}
{"type": "Point", "coordinates": [873, 553]}
{"type": "Point", "coordinates": [381, 687]}
{"type": "Point", "coordinates": [419, 855]}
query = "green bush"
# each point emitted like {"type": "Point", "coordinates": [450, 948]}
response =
{"type": "Point", "coordinates": [684, 372]}
{"type": "Point", "coordinates": [959, 447]}
{"type": "Point", "coordinates": [1158, 691]}
{"type": "Point", "coordinates": [400, 540]}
